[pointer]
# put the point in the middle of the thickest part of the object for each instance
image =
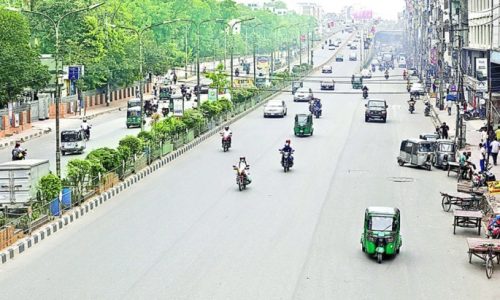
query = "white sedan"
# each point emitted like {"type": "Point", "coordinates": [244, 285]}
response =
{"type": "Point", "coordinates": [417, 89]}
{"type": "Point", "coordinates": [275, 108]}
{"type": "Point", "coordinates": [303, 94]}
{"type": "Point", "coordinates": [366, 73]}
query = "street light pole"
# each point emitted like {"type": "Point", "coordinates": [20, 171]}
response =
{"type": "Point", "coordinates": [57, 90]}
{"type": "Point", "coordinates": [254, 46]}
{"type": "Point", "coordinates": [232, 46]}
{"type": "Point", "coordinates": [139, 33]}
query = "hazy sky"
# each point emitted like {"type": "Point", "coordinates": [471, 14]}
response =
{"type": "Point", "coordinates": [386, 9]}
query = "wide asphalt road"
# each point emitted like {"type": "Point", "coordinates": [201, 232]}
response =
{"type": "Point", "coordinates": [186, 232]}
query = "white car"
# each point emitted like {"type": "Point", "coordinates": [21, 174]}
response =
{"type": "Point", "coordinates": [327, 69]}
{"type": "Point", "coordinates": [353, 56]}
{"type": "Point", "coordinates": [417, 89]}
{"type": "Point", "coordinates": [366, 73]}
{"type": "Point", "coordinates": [303, 94]}
{"type": "Point", "coordinates": [275, 108]}
{"type": "Point", "coordinates": [331, 47]}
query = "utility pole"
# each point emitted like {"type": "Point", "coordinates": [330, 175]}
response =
{"type": "Point", "coordinates": [439, 101]}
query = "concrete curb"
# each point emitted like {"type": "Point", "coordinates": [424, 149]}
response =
{"type": "Point", "coordinates": [24, 138]}
{"type": "Point", "coordinates": [75, 213]}
{"type": "Point", "coordinates": [92, 116]}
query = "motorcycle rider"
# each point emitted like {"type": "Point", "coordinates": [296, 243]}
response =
{"type": "Point", "coordinates": [315, 105]}
{"type": "Point", "coordinates": [286, 148]}
{"type": "Point", "coordinates": [226, 134]}
{"type": "Point", "coordinates": [18, 153]}
{"type": "Point", "coordinates": [243, 168]}
{"type": "Point", "coordinates": [411, 104]}
{"type": "Point", "coordinates": [365, 91]}
{"type": "Point", "coordinates": [86, 129]}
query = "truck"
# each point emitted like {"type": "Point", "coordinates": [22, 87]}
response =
{"type": "Point", "coordinates": [19, 180]}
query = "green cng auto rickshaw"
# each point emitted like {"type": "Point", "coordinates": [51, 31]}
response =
{"type": "Point", "coordinates": [357, 81]}
{"type": "Point", "coordinates": [134, 117]}
{"type": "Point", "coordinates": [381, 234]}
{"type": "Point", "coordinates": [135, 102]}
{"type": "Point", "coordinates": [303, 125]}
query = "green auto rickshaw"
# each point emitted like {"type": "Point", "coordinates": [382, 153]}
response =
{"type": "Point", "coordinates": [134, 117]}
{"type": "Point", "coordinates": [357, 81]}
{"type": "Point", "coordinates": [135, 102]}
{"type": "Point", "coordinates": [303, 125]}
{"type": "Point", "coordinates": [381, 232]}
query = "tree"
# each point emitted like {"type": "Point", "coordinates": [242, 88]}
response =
{"type": "Point", "coordinates": [219, 78]}
{"type": "Point", "coordinates": [21, 66]}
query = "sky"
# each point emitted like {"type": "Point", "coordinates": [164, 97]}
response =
{"type": "Point", "coordinates": [386, 9]}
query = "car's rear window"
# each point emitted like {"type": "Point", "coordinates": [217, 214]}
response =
{"type": "Point", "coordinates": [376, 104]}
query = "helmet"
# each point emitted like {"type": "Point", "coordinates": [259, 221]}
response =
{"type": "Point", "coordinates": [226, 128]}
{"type": "Point", "coordinates": [18, 145]}
{"type": "Point", "coordinates": [242, 158]}
{"type": "Point", "coordinates": [84, 120]}
{"type": "Point", "coordinates": [287, 142]}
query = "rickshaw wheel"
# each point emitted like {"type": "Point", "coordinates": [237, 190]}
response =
{"type": "Point", "coordinates": [489, 267]}
{"type": "Point", "coordinates": [379, 258]}
{"type": "Point", "coordinates": [401, 162]}
{"type": "Point", "coordinates": [446, 203]}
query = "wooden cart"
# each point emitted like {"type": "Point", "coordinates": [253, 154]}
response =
{"type": "Point", "coordinates": [486, 250]}
{"type": "Point", "coordinates": [462, 200]}
{"type": "Point", "coordinates": [467, 219]}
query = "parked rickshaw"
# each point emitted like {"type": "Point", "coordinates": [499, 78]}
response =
{"type": "Point", "coordinates": [357, 81]}
{"type": "Point", "coordinates": [416, 152]}
{"type": "Point", "coordinates": [134, 117]}
{"type": "Point", "coordinates": [72, 141]}
{"type": "Point", "coordinates": [135, 102]}
{"type": "Point", "coordinates": [303, 125]}
{"type": "Point", "coordinates": [381, 235]}
{"type": "Point", "coordinates": [444, 152]}
{"type": "Point", "coordinates": [296, 85]}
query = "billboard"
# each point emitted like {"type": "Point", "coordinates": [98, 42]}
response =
{"type": "Point", "coordinates": [363, 14]}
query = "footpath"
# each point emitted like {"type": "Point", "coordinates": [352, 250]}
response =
{"type": "Point", "coordinates": [473, 136]}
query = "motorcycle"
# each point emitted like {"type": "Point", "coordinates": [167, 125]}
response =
{"type": "Point", "coordinates": [365, 94]}
{"type": "Point", "coordinates": [226, 143]}
{"type": "Point", "coordinates": [386, 76]}
{"type": "Point", "coordinates": [20, 155]}
{"type": "Point", "coordinates": [316, 111]}
{"type": "Point", "coordinates": [286, 160]}
{"type": "Point", "coordinates": [471, 114]}
{"type": "Point", "coordinates": [86, 133]}
{"type": "Point", "coordinates": [241, 177]}
{"type": "Point", "coordinates": [427, 110]}
{"type": "Point", "coordinates": [411, 107]}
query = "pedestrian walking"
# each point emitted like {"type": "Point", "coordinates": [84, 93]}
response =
{"type": "Point", "coordinates": [444, 130]}
{"type": "Point", "coordinates": [174, 78]}
{"type": "Point", "coordinates": [482, 158]}
{"type": "Point", "coordinates": [434, 87]}
{"type": "Point", "coordinates": [495, 148]}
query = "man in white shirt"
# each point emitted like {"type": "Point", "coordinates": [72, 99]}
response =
{"type": "Point", "coordinates": [495, 148]}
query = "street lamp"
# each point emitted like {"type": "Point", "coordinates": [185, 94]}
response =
{"type": "Point", "coordinates": [231, 28]}
{"type": "Point", "coordinates": [254, 43]}
{"type": "Point", "coordinates": [272, 52]}
{"type": "Point", "coordinates": [139, 33]}
{"type": "Point", "coordinates": [56, 24]}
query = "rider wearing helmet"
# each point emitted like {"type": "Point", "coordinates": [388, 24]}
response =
{"type": "Point", "coordinates": [227, 134]}
{"type": "Point", "coordinates": [286, 148]}
{"type": "Point", "coordinates": [243, 168]}
{"type": "Point", "coordinates": [86, 128]}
